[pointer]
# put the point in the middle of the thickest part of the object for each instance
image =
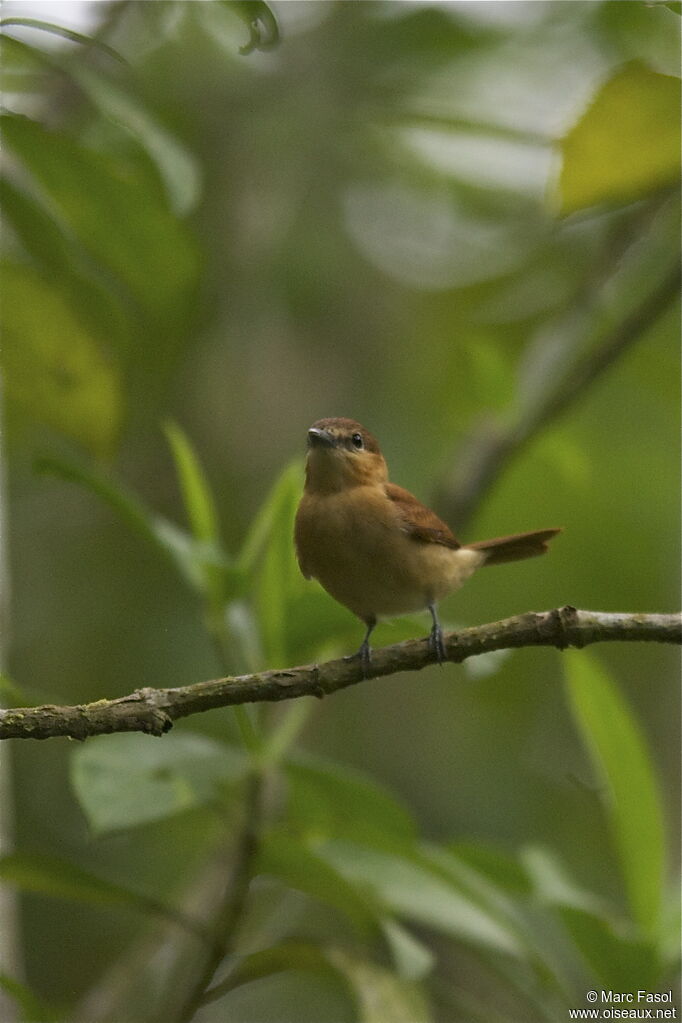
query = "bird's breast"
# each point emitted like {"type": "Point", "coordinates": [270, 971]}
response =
{"type": "Point", "coordinates": [355, 543]}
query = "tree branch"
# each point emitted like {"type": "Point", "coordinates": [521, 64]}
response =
{"type": "Point", "coordinates": [154, 710]}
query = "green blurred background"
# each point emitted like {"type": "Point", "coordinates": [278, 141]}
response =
{"type": "Point", "coordinates": [417, 215]}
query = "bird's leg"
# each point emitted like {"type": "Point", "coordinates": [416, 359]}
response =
{"type": "Point", "coordinates": [364, 653]}
{"type": "Point", "coordinates": [436, 636]}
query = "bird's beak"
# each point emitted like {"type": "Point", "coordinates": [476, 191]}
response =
{"type": "Point", "coordinates": [318, 438]}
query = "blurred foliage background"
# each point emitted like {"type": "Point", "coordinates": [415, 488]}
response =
{"type": "Point", "coordinates": [457, 223]}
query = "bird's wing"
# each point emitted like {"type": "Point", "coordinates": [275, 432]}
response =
{"type": "Point", "coordinates": [418, 520]}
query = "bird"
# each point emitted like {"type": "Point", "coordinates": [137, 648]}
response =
{"type": "Point", "coordinates": [373, 546]}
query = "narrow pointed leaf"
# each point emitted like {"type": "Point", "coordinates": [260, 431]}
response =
{"type": "Point", "coordinates": [203, 518]}
{"type": "Point", "coordinates": [302, 868]}
{"type": "Point", "coordinates": [279, 578]}
{"type": "Point", "coordinates": [412, 959]}
{"type": "Point", "coordinates": [56, 878]}
{"type": "Point", "coordinates": [189, 557]}
{"type": "Point", "coordinates": [623, 763]}
{"type": "Point", "coordinates": [414, 892]}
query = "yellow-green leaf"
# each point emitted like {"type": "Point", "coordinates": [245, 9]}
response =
{"type": "Point", "coordinates": [626, 144]}
{"type": "Point", "coordinates": [54, 366]}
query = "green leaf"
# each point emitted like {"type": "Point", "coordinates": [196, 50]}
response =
{"type": "Point", "coordinates": [48, 875]}
{"type": "Point", "coordinates": [554, 887]}
{"type": "Point", "coordinates": [64, 33]}
{"type": "Point", "coordinates": [203, 566]}
{"type": "Point", "coordinates": [328, 800]}
{"type": "Point", "coordinates": [620, 756]}
{"type": "Point", "coordinates": [262, 23]}
{"type": "Point", "coordinates": [552, 884]}
{"type": "Point", "coordinates": [627, 143]}
{"type": "Point", "coordinates": [97, 307]}
{"type": "Point", "coordinates": [503, 870]}
{"type": "Point", "coordinates": [614, 950]}
{"type": "Point", "coordinates": [472, 883]}
{"type": "Point", "coordinates": [56, 878]}
{"type": "Point", "coordinates": [279, 577]}
{"type": "Point", "coordinates": [22, 68]}
{"type": "Point", "coordinates": [286, 490]}
{"type": "Point", "coordinates": [40, 235]}
{"type": "Point", "coordinates": [204, 558]}
{"type": "Point", "coordinates": [416, 892]}
{"type": "Point", "coordinates": [124, 780]}
{"type": "Point", "coordinates": [178, 168]}
{"type": "Point", "coordinates": [378, 995]}
{"type": "Point", "coordinates": [55, 367]}
{"type": "Point", "coordinates": [615, 958]}
{"type": "Point", "coordinates": [12, 694]}
{"type": "Point", "coordinates": [318, 628]}
{"type": "Point", "coordinates": [191, 559]}
{"type": "Point", "coordinates": [119, 221]}
{"type": "Point", "coordinates": [381, 996]}
{"type": "Point", "coordinates": [301, 868]}
{"type": "Point", "coordinates": [203, 518]}
{"type": "Point", "coordinates": [523, 939]}
{"type": "Point", "coordinates": [649, 32]}
{"type": "Point", "coordinates": [290, 955]}
{"type": "Point", "coordinates": [31, 1007]}
{"type": "Point", "coordinates": [412, 959]}
{"type": "Point", "coordinates": [136, 516]}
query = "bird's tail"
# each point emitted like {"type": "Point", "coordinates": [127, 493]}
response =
{"type": "Point", "coordinates": [514, 548]}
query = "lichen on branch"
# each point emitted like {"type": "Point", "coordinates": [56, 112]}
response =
{"type": "Point", "coordinates": [154, 710]}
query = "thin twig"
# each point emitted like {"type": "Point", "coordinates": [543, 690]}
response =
{"type": "Point", "coordinates": [492, 443]}
{"type": "Point", "coordinates": [232, 904]}
{"type": "Point", "coordinates": [154, 710]}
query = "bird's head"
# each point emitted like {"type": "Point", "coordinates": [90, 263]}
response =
{"type": "Point", "coordinates": [341, 453]}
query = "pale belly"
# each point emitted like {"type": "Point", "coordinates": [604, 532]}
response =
{"type": "Point", "coordinates": [377, 570]}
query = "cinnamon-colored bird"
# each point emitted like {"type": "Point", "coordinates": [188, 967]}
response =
{"type": "Point", "coordinates": [372, 545]}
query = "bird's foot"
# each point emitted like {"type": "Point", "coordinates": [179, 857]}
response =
{"type": "Point", "coordinates": [364, 654]}
{"type": "Point", "coordinates": [437, 644]}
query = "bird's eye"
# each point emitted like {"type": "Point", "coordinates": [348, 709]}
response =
{"type": "Point", "coordinates": [356, 441]}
